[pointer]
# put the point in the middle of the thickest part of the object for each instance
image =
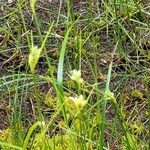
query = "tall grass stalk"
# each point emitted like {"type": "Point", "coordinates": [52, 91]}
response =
{"type": "Point", "coordinates": [60, 73]}
{"type": "Point", "coordinates": [20, 5]}
{"type": "Point", "coordinates": [104, 104]}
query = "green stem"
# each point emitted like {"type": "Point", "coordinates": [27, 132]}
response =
{"type": "Point", "coordinates": [32, 128]}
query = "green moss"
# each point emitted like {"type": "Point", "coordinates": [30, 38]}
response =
{"type": "Point", "coordinates": [6, 136]}
{"type": "Point", "coordinates": [137, 94]}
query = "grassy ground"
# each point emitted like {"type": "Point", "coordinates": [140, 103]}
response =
{"type": "Point", "coordinates": [75, 74]}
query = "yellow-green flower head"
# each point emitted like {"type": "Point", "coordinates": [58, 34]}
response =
{"type": "Point", "coordinates": [79, 101]}
{"type": "Point", "coordinates": [34, 57]}
{"type": "Point", "coordinates": [32, 5]}
{"type": "Point", "coordinates": [76, 76]}
{"type": "Point", "coordinates": [42, 123]}
{"type": "Point", "coordinates": [109, 96]}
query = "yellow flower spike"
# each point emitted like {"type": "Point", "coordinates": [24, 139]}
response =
{"type": "Point", "coordinates": [76, 76]}
{"type": "Point", "coordinates": [32, 5]}
{"type": "Point", "coordinates": [34, 57]}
